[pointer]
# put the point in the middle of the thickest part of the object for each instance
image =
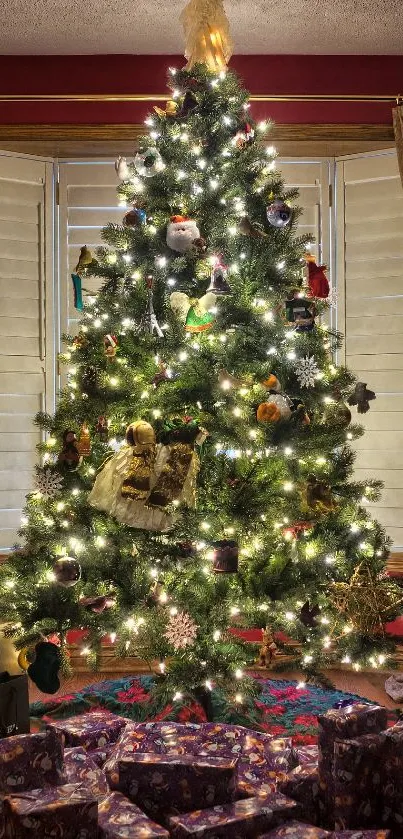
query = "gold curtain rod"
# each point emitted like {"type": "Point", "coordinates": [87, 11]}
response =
{"type": "Point", "coordinates": [161, 97]}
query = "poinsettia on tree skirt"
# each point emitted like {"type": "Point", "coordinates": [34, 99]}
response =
{"type": "Point", "coordinates": [281, 708]}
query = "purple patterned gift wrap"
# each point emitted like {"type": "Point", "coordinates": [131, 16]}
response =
{"type": "Point", "coordinates": [343, 724]}
{"type": "Point", "coordinates": [118, 818]}
{"type": "Point", "coordinates": [358, 782]}
{"type": "Point", "coordinates": [302, 784]}
{"type": "Point", "coordinates": [296, 830]}
{"type": "Point", "coordinates": [29, 760]}
{"type": "Point", "coordinates": [65, 812]}
{"type": "Point", "coordinates": [156, 738]}
{"type": "Point", "coordinates": [102, 754]}
{"type": "Point", "coordinates": [241, 820]}
{"type": "Point", "coordinates": [392, 781]}
{"type": "Point", "coordinates": [82, 770]}
{"type": "Point", "coordinates": [305, 754]}
{"type": "Point", "coordinates": [163, 784]}
{"type": "Point", "coordinates": [361, 834]}
{"type": "Point", "coordinates": [90, 730]}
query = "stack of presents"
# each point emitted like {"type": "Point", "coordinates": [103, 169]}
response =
{"type": "Point", "coordinates": [99, 776]}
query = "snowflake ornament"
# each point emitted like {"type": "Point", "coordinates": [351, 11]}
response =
{"type": "Point", "coordinates": [48, 483]}
{"type": "Point", "coordinates": [307, 371]}
{"type": "Point", "coordinates": [181, 631]}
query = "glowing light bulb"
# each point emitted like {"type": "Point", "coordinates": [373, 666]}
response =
{"type": "Point", "coordinates": [216, 635]}
{"type": "Point", "coordinates": [177, 696]}
{"type": "Point", "coordinates": [288, 486]}
{"type": "Point", "coordinates": [289, 616]}
{"type": "Point", "coordinates": [239, 673]}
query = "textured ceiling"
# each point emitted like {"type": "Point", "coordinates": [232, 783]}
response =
{"type": "Point", "coordinates": [152, 26]}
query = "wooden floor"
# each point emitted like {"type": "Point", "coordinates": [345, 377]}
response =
{"type": "Point", "coordinates": [368, 685]}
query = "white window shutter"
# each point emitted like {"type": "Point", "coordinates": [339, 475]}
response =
{"type": "Point", "coordinates": [370, 313]}
{"type": "Point", "coordinates": [26, 326]}
{"type": "Point", "coordinates": [88, 201]}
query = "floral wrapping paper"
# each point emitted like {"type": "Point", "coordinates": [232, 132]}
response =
{"type": "Point", "coordinates": [358, 781]}
{"type": "Point", "coordinates": [296, 830]}
{"type": "Point", "coordinates": [166, 784]}
{"type": "Point", "coordinates": [65, 812]}
{"type": "Point", "coordinates": [241, 820]}
{"type": "Point", "coordinates": [29, 760]}
{"type": "Point", "coordinates": [361, 834]}
{"type": "Point", "coordinates": [120, 819]}
{"type": "Point", "coordinates": [91, 730]}
{"type": "Point", "coordinates": [302, 784]}
{"type": "Point", "coordinates": [343, 724]}
{"type": "Point", "coordinates": [81, 769]}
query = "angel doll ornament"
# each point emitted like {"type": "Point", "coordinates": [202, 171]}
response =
{"type": "Point", "coordinates": [137, 484]}
{"type": "Point", "coordinates": [196, 313]}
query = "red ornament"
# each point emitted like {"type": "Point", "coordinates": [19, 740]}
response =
{"type": "Point", "coordinates": [296, 530]}
{"type": "Point", "coordinates": [317, 279]}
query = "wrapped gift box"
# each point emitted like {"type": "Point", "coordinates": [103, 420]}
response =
{"type": "Point", "coordinates": [248, 787]}
{"type": "Point", "coordinates": [392, 780]}
{"type": "Point", "coordinates": [296, 830]}
{"type": "Point", "coordinates": [163, 784]}
{"type": "Point", "coordinates": [101, 755]}
{"type": "Point", "coordinates": [156, 738]}
{"type": "Point", "coordinates": [241, 820]}
{"type": "Point", "coordinates": [65, 812]}
{"type": "Point", "coordinates": [81, 769]}
{"type": "Point", "coordinates": [118, 818]}
{"type": "Point", "coordinates": [302, 784]}
{"type": "Point", "coordinates": [343, 724]}
{"type": "Point", "coordinates": [305, 754]}
{"type": "Point", "coordinates": [361, 834]}
{"type": "Point", "coordinates": [358, 781]}
{"type": "Point", "coordinates": [90, 730]}
{"type": "Point", "coordinates": [31, 760]}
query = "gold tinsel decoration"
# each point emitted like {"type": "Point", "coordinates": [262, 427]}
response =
{"type": "Point", "coordinates": [366, 601]}
{"type": "Point", "coordinates": [207, 38]}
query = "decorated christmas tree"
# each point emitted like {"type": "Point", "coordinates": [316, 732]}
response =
{"type": "Point", "coordinates": [196, 478]}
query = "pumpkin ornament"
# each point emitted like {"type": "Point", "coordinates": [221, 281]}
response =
{"type": "Point", "coordinates": [276, 408]}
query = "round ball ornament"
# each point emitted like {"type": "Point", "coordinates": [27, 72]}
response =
{"type": "Point", "coordinates": [279, 214]}
{"type": "Point", "coordinates": [67, 571]}
{"type": "Point", "coordinates": [149, 162]}
{"type": "Point", "coordinates": [276, 408]}
{"type": "Point", "coordinates": [135, 217]}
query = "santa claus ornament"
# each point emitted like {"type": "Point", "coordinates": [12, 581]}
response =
{"type": "Point", "coordinates": [183, 234]}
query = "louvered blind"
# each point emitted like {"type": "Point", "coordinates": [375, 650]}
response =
{"type": "Point", "coordinates": [370, 280]}
{"type": "Point", "coordinates": [26, 383]}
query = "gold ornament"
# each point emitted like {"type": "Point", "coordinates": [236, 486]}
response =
{"type": "Point", "coordinates": [84, 441]}
{"type": "Point", "coordinates": [182, 465]}
{"type": "Point", "coordinates": [136, 484]}
{"type": "Point", "coordinates": [23, 660]}
{"type": "Point", "coordinates": [84, 260]}
{"type": "Point", "coordinates": [170, 109]}
{"type": "Point", "coordinates": [207, 38]}
{"type": "Point", "coordinates": [365, 601]}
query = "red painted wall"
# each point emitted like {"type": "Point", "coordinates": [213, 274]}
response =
{"type": "Point", "coordinates": [264, 74]}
